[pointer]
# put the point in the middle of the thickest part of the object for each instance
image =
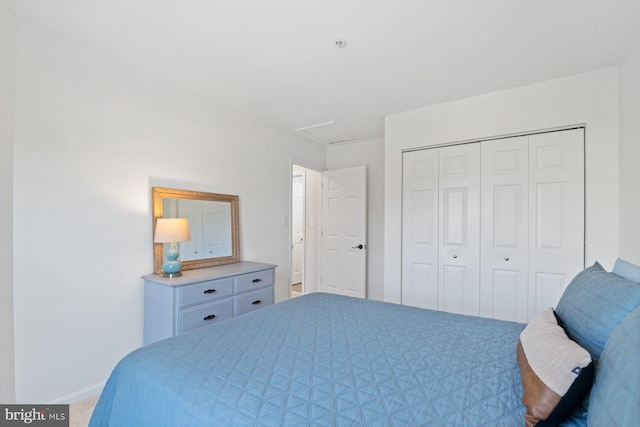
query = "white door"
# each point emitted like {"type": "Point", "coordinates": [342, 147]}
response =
{"type": "Point", "coordinates": [216, 229]}
{"type": "Point", "coordinates": [297, 228]}
{"type": "Point", "coordinates": [192, 210]}
{"type": "Point", "coordinates": [420, 228]}
{"type": "Point", "coordinates": [556, 206]}
{"type": "Point", "coordinates": [344, 231]}
{"type": "Point", "coordinates": [459, 212]}
{"type": "Point", "coordinates": [504, 229]}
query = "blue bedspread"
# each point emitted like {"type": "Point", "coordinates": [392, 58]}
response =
{"type": "Point", "coordinates": [323, 360]}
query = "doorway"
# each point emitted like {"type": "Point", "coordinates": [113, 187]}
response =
{"type": "Point", "coordinates": [305, 229]}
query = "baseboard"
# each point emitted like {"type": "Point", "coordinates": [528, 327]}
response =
{"type": "Point", "coordinates": [80, 395]}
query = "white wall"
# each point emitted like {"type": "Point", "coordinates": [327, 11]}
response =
{"type": "Point", "coordinates": [369, 153]}
{"type": "Point", "coordinates": [93, 134]}
{"type": "Point", "coordinates": [589, 99]}
{"type": "Point", "coordinates": [8, 46]}
{"type": "Point", "coordinates": [630, 155]}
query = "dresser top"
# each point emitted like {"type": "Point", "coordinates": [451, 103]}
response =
{"type": "Point", "coordinates": [210, 273]}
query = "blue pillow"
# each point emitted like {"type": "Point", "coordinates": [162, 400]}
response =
{"type": "Point", "coordinates": [627, 270]}
{"type": "Point", "coordinates": [615, 397]}
{"type": "Point", "coordinates": [593, 304]}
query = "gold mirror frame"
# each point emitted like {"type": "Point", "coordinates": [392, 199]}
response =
{"type": "Point", "coordinates": [159, 193]}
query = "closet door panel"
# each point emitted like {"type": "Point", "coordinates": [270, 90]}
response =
{"type": "Point", "coordinates": [504, 201]}
{"type": "Point", "coordinates": [455, 280]}
{"type": "Point", "coordinates": [216, 229]}
{"type": "Point", "coordinates": [459, 229]}
{"type": "Point", "coordinates": [192, 210]}
{"type": "Point", "coordinates": [556, 206]}
{"type": "Point", "coordinates": [544, 287]}
{"type": "Point", "coordinates": [420, 229]}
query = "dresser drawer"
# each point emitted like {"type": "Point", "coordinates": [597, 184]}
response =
{"type": "Point", "coordinates": [176, 305]}
{"type": "Point", "coordinates": [205, 291]}
{"type": "Point", "coordinates": [254, 300]}
{"type": "Point", "coordinates": [205, 314]}
{"type": "Point", "coordinates": [255, 280]}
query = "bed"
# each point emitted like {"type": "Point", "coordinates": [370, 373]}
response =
{"type": "Point", "coordinates": [325, 360]}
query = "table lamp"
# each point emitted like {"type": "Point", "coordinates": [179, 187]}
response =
{"type": "Point", "coordinates": [172, 231]}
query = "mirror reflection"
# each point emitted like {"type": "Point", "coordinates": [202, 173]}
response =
{"type": "Point", "coordinates": [213, 224]}
{"type": "Point", "coordinates": [209, 224]}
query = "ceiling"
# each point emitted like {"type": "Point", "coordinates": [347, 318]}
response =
{"type": "Point", "coordinates": [277, 59]}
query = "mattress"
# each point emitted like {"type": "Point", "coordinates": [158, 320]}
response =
{"type": "Point", "coordinates": [323, 360]}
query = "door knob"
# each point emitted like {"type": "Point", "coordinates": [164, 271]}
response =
{"type": "Point", "coordinates": [360, 246]}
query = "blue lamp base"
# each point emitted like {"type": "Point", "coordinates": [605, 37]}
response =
{"type": "Point", "coordinates": [172, 267]}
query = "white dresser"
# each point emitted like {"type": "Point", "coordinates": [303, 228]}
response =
{"type": "Point", "coordinates": [203, 296]}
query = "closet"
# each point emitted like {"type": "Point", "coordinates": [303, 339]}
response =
{"type": "Point", "coordinates": [493, 228]}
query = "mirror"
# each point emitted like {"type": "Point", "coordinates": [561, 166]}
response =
{"type": "Point", "coordinates": [213, 224]}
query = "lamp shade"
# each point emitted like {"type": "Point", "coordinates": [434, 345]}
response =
{"type": "Point", "coordinates": [170, 230]}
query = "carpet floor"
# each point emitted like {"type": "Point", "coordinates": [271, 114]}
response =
{"type": "Point", "coordinates": [80, 413]}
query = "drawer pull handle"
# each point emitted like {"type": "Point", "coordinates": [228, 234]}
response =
{"type": "Point", "coordinates": [256, 280]}
{"type": "Point", "coordinates": [209, 291]}
{"type": "Point", "coordinates": [210, 317]}
{"type": "Point", "coordinates": [256, 302]}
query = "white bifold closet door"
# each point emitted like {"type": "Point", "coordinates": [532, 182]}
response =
{"type": "Point", "coordinates": [420, 228]}
{"type": "Point", "coordinates": [504, 275]}
{"type": "Point", "coordinates": [441, 218]}
{"type": "Point", "coordinates": [459, 213]}
{"type": "Point", "coordinates": [494, 228]}
{"type": "Point", "coordinates": [556, 206]}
